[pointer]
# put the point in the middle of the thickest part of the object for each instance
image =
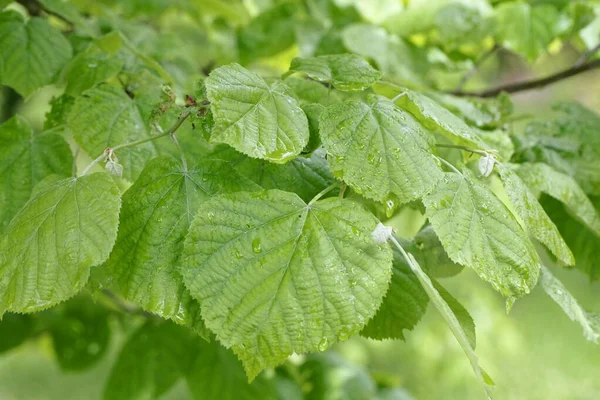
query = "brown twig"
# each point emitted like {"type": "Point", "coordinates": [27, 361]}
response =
{"type": "Point", "coordinates": [532, 84]}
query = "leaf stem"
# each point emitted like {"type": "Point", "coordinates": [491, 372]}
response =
{"type": "Point", "coordinates": [168, 132]}
{"type": "Point", "coordinates": [323, 193]}
{"type": "Point", "coordinates": [465, 148]}
{"type": "Point", "coordinates": [448, 316]}
{"type": "Point", "coordinates": [452, 167]}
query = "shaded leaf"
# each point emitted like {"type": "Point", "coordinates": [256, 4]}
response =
{"type": "Point", "coordinates": [155, 217]}
{"type": "Point", "coordinates": [33, 52]}
{"type": "Point", "coordinates": [25, 159]}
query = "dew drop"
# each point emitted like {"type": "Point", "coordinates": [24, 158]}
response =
{"type": "Point", "coordinates": [323, 344]}
{"type": "Point", "coordinates": [256, 246]}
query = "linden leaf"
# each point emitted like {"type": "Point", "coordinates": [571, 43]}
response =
{"type": "Point", "coordinates": [347, 72]}
{"type": "Point", "coordinates": [25, 159]}
{"type": "Point", "coordinates": [533, 215]}
{"type": "Point", "coordinates": [33, 52]}
{"type": "Point", "coordinates": [379, 150]}
{"type": "Point", "coordinates": [155, 217]}
{"type": "Point", "coordinates": [277, 276]}
{"type": "Point", "coordinates": [478, 231]}
{"type": "Point", "coordinates": [256, 119]}
{"type": "Point", "coordinates": [66, 227]}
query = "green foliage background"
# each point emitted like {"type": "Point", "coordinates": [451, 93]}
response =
{"type": "Point", "coordinates": [81, 54]}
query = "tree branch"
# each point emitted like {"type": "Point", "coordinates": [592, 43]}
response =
{"type": "Point", "coordinates": [471, 73]}
{"type": "Point", "coordinates": [35, 8]}
{"type": "Point", "coordinates": [532, 84]}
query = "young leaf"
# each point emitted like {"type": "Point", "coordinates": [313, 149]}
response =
{"type": "Point", "coordinates": [150, 362]}
{"type": "Point", "coordinates": [478, 231]}
{"type": "Point", "coordinates": [216, 373]}
{"type": "Point", "coordinates": [435, 117]}
{"type": "Point", "coordinates": [256, 119]}
{"type": "Point", "coordinates": [105, 116]}
{"type": "Point", "coordinates": [533, 215]}
{"type": "Point", "coordinates": [379, 150]}
{"type": "Point", "coordinates": [590, 322]}
{"type": "Point", "coordinates": [346, 72]}
{"type": "Point", "coordinates": [155, 217]}
{"type": "Point", "coordinates": [542, 177]}
{"type": "Point", "coordinates": [276, 276]}
{"type": "Point", "coordinates": [63, 230]}
{"type": "Point", "coordinates": [26, 159]}
{"type": "Point", "coordinates": [32, 52]}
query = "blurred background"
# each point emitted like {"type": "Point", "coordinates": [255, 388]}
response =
{"type": "Point", "coordinates": [534, 352]}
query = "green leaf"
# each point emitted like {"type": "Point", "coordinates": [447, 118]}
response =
{"type": "Point", "coordinates": [311, 92]}
{"type": "Point", "coordinates": [526, 29]}
{"type": "Point", "coordinates": [543, 178]}
{"type": "Point", "coordinates": [217, 374]}
{"type": "Point", "coordinates": [150, 362]}
{"type": "Point", "coordinates": [90, 68]}
{"type": "Point", "coordinates": [25, 159]}
{"type": "Point", "coordinates": [63, 230]}
{"type": "Point", "coordinates": [276, 276]}
{"type": "Point", "coordinates": [155, 217]}
{"type": "Point", "coordinates": [435, 117]}
{"type": "Point", "coordinates": [460, 312]}
{"type": "Point", "coordinates": [331, 377]}
{"type": "Point", "coordinates": [402, 307]}
{"type": "Point", "coordinates": [590, 322]}
{"type": "Point", "coordinates": [583, 243]}
{"type": "Point", "coordinates": [80, 333]}
{"type": "Point", "coordinates": [14, 330]}
{"type": "Point", "coordinates": [406, 302]}
{"type": "Point", "coordinates": [32, 52]}
{"type": "Point", "coordinates": [569, 143]}
{"type": "Point", "coordinates": [431, 255]}
{"type": "Point", "coordinates": [105, 116]}
{"type": "Point", "coordinates": [305, 176]}
{"type": "Point", "coordinates": [254, 118]}
{"type": "Point", "coordinates": [346, 72]}
{"type": "Point", "coordinates": [394, 57]}
{"type": "Point", "coordinates": [379, 150]}
{"type": "Point", "coordinates": [268, 34]}
{"type": "Point", "coordinates": [465, 338]}
{"type": "Point", "coordinates": [533, 215]}
{"type": "Point", "coordinates": [478, 231]}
